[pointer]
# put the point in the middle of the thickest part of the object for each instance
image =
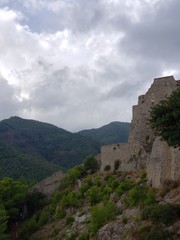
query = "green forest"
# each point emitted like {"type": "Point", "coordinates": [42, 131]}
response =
{"type": "Point", "coordinates": [34, 150]}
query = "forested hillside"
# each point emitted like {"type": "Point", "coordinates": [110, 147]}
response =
{"type": "Point", "coordinates": [114, 132]}
{"type": "Point", "coordinates": [34, 150]}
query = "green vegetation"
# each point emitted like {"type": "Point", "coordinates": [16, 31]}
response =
{"type": "Point", "coordinates": [12, 196]}
{"type": "Point", "coordinates": [12, 199]}
{"type": "Point", "coordinates": [91, 200]}
{"type": "Point", "coordinates": [34, 150]}
{"type": "Point", "coordinates": [16, 164]}
{"type": "Point", "coordinates": [3, 222]}
{"type": "Point", "coordinates": [140, 196]}
{"type": "Point", "coordinates": [152, 232]}
{"type": "Point", "coordinates": [165, 119]}
{"type": "Point", "coordinates": [115, 132]}
{"type": "Point", "coordinates": [162, 213]}
{"type": "Point", "coordinates": [100, 214]}
{"type": "Point", "coordinates": [94, 197]}
{"type": "Point", "coordinates": [90, 164]}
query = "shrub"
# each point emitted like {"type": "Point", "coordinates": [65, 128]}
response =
{"type": "Point", "coordinates": [162, 213]}
{"type": "Point", "coordinates": [140, 196]}
{"type": "Point", "coordinates": [87, 184]}
{"type": "Point", "coordinates": [43, 219]}
{"type": "Point", "coordinates": [100, 214]}
{"type": "Point", "coordinates": [54, 232]}
{"type": "Point", "coordinates": [29, 227]}
{"type": "Point", "coordinates": [90, 164]}
{"type": "Point", "coordinates": [60, 213]}
{"type": "Point", "coordinates": [84, 236]}
{"type": "Point", "coordinates": [94, 195]}
{"type": "Point", "coordinates": [153, 233]}
{"type": "Point", "coordinates": [69, 220]}
{"type": "Point", "coordinates": [124, 186]}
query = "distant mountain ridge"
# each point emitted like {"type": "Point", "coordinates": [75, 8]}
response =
{"type": "Point", "coordinates": [34, 150]}
{"type": "Point", "coordinates": [114, 132]}
{"type": "Point", "coordinates": [44, 147]}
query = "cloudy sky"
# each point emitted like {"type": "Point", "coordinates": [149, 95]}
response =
{"type": "Point", "coordinates": [83, 63]}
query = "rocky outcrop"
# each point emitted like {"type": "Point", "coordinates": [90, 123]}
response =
{"type": "Point", "coordinates": [49, 185]}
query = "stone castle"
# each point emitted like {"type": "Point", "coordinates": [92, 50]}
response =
{"type": "Point", "coordinates": [143, 149]}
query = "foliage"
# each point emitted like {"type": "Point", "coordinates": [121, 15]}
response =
{"type": "Point", "coordinates": [35, 201]}
{"type": "Point", "coordinates": [124, 186]}
{"type": "Point", "coordinates": [162, 213]}
{"type": "Point", "coordinates": [35, 150]}
{"type": "Point", "coordinates": [15, 163]}
{"type": "Point", "coordinates": [94, 195]}
{"type": "Point", "coordinates": [43, 218]}
{"type": "Point", "coordinates": [3, 223]}
{"type": "Point", "coordinates": [153, 233]}
{"type": "Point", "coordinates": [100, 214]}
{"type": "Point", "coordinates": [84, 236]}
{"type": "Point", "coordinates": [165, 119]}
{"type": "Point", "coordinates": [115, 132]}
{"type": "Point", "coordinates": [90, 164]}
{"type": "Point", "coordinates": [140, 196]}
{"type": "Point", "coordinates": [60, 213]}
{"type": "Point", "coordinates": [12, 195]}
{"type": "Point", "coordinates": [69, 220]}
{"type": "Point", "coordinates": [29, 226]}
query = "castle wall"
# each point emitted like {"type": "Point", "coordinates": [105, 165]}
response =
{"type": "Point", "coordinates": [143, 148]}
{"type": "Point", "coordinates": [141, 132]}
{"type": "Point", "coordinates": [159, 163]}
{"type": "Point", "coordinates": [122, 157]}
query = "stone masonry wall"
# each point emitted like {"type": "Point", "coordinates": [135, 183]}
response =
{"type": "Point", "coordinates": [140, 132]}
{"type": "Point", "coordinates": [143, 148]}
{"type": "Point", "coordinates": [122, 157]}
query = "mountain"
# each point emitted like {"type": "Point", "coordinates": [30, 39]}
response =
{"type": "Point", "coordinates": [34, 149]}
{"type": "Point", "coordinates": [114, 132]}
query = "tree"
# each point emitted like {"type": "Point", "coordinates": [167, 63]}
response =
{"type": "Point", "coordinates": [90, 164]}
{"type": "Point", "coordinates": [12, 195]}
{"type": "Point", "coordinates": [3, 223]}
{"type": "Point", "coordinates": [165, 119]}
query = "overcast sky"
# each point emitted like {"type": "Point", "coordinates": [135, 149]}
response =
{"type": "Point", "coordinates": [81, 64]}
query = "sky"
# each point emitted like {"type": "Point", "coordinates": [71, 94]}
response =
{"type": "Point", "coordinates": [81, 64]}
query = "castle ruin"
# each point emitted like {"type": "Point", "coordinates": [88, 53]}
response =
{"type": "Point", "coordinates": [144, 149]}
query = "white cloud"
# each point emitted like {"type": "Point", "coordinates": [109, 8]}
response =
{"type": "Point", "coordinates": [81, 64]}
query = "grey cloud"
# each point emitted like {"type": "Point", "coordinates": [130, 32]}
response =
{"type": "Point", "coordinates": [49, 16]}
{"type": "Point", "coordinates": [9, 105]}
{"type": "Point", "coordinates": [157, 36]}
{"type": "Point", "coordinates": [95, 78]}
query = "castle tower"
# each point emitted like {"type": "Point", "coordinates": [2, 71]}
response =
{"type": "Point", "coordinates": [141, 133]}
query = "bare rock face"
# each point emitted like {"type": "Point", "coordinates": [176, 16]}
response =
{"type": "Point", "coordinates": [117, 231]}
{"type": "Point", "coordinates": [49, 184]}
{"type": "Point", "coordinates": [173, 197]}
